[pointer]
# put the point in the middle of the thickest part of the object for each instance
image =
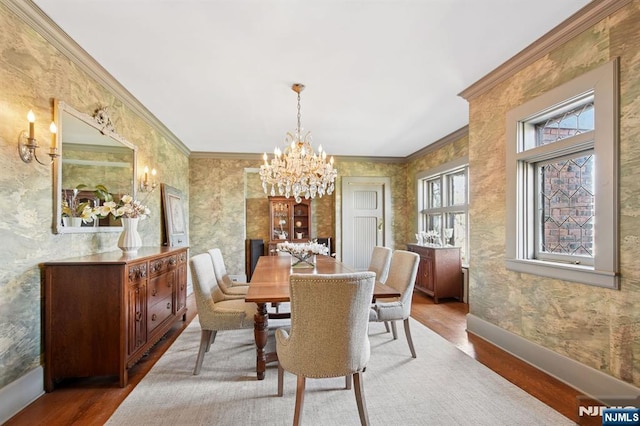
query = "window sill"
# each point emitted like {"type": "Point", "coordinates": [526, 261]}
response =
{"type": "Point", "coordinates": [566, 272]}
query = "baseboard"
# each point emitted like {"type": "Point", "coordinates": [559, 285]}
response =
{"type": "Point", "coordinates": [20, 393]}
{"type": "Point", "coordinates": [588, 380]}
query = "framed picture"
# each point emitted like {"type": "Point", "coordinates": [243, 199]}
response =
{"type": "Point", "coordinates": [175, 225]}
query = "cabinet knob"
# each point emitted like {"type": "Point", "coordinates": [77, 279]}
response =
{"type": "Point", "coordinates": [138, 316]}
{"type": "Point", "coordinates": [154, 291]}
{"type": "Point", "coordinates": [169, 305]}
{"type": "Point", "coordinates": [153, 317]}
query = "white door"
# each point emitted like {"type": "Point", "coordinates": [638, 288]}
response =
{"type": "Point", "coordinates": [364, 207]}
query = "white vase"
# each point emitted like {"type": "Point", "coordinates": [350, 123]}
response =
{"type": "Point", "coordinates": [72, 221]}
{"type": "Point", "coordinates": [129, 241]}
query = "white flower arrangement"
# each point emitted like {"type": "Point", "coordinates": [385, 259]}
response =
{"type": "Point", "coordinates": [301, 249]}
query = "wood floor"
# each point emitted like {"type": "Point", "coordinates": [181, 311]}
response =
{"type": "Point", "coordinates": [92, 401]}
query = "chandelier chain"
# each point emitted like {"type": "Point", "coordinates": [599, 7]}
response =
{"type": "Point", "coordinates": [299, 115]}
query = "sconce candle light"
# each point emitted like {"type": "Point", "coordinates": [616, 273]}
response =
{"type": "Point", "coordinates": [145, 184]}
{"type": "Point", "coordinates": [27, 144]}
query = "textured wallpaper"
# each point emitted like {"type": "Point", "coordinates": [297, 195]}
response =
{"type": "Point", "coordinates": [595, 326]}
{"type": "Point", "coordinates": [33, 73]}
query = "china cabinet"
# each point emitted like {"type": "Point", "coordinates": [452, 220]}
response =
{"type": "Point", "coordinates": [288, 221]}
{"type": "Point", "coordinates": [439, 271]}
{"type": "Point", "coordinates": [103, 312]}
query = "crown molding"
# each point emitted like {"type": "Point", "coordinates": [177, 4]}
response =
{"type": "Point", "coordinates": [259, 157]}
{"type": "Point", "coordinates": [50, 31]}
{"type": "Point", "coordinates": [583, 19]}
{"type": "Point", "coordinates": [451, 137]}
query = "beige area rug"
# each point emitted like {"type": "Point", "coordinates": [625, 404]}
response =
{"type": "Point", "coordinates": [443, 386]}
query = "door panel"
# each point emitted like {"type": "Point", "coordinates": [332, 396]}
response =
{"type": "Point", "coordinates": [363, 222]}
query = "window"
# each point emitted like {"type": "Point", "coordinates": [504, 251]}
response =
{"type": "Point", "coordinates": [562, 182]}
{"type": "Point", "coordinates": [443, 205]}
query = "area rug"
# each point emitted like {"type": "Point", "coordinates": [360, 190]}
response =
{"type": "Point", "coordinates": [442, 386]}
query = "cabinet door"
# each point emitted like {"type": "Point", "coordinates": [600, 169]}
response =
{"type": "Point", "coordinates": [136, 316]}
{"type": "Point", "coordinates": [424, 278]}
{"type": "Point", "coordinates": [302, 221]}
{"type": "Point", "coordinates": [181, 290]}
{"type": "Point", "coordinates": [280, 210]}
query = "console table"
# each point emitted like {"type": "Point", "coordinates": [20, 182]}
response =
{"type": "Point", "coordinates": [439, 271]}
{"type": "Point", "coordinates": [103, 312]}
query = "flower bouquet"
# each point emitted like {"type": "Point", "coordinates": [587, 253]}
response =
{"type": "Point", "coordinates": [129, 211]}
{"type": "Point", "coordinates": [303, 254]}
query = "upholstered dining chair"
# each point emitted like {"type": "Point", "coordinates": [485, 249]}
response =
{"type": "Point", "coordinates": [379, 263]}
{"type": "Point", "coordinates": [402, 277]}
{"type": "Point", "coordinates": [230, 288]}
{"type": "Point", "coordinates": [328, 335]}
{"type": "Point", "coordinates": [215, 313]}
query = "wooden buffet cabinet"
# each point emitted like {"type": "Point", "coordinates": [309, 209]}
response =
{"type": "Point", "coordinates": [103, 312]}
{"type": "Point", "coordinates": [439, 271]}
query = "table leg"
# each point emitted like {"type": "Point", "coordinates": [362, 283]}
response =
{"type": "Point", "coordinates": [260, 332]}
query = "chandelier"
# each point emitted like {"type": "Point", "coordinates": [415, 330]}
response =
{"type": "Point", "coordinates": [298, 171]}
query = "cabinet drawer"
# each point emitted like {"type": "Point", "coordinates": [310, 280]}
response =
{"type": "Point", "coordinates": [137, 272]}
{"type": "Point", "coordinates": [159, 312]}
{"type": "Point", "coordinates": [164, 264]}
{"type": "Point", "coordinates": [160, 287]}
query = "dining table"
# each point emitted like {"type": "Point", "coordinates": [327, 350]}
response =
{"type": "Point", "coordinates": [269, 284]}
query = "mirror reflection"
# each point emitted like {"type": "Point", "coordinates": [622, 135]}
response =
{"type": "Point", "coordinates": [92, 154]}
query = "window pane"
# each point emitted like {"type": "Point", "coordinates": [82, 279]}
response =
{"type": "Point", "coordinates": [455, 231]}
{"type": "Point", "coordinates": [566, 205]}
{"type": "Point", "coordinates": [571, 123]}
{"type": "Point", "coordinates": [435, 193]}
{"type": "Point", "coordinates": [457, 188]}
{"type": "Point", "coordinates": [434, 222]}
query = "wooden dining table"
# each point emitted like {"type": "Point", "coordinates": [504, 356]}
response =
{"type": "Point", "coordinates": [270, 284]}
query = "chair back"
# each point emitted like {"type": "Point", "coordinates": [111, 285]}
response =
{"type": "Point", "coordinates": [220, 271]}
{"type": "Point", "coordinates": [402, 276]}
{"type": "Point", "coordinates": [329, 323]}
{"type": "Point", "coordinates": [205, 285]}
{"type": "Point", "coordinates": [380, 261]}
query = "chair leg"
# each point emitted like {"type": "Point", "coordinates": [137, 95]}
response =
{"type": "Point", "coordinates": [362, 405]}
{"type": "Point", "coordinates": [297, 416]}
{"type": "Point", "coordinates": [407, 331]}
{"type": "Point", "coordinates": [394, 330]}
{"type": "Point", "coordinates": [205, 339]}
{"type": "Point", "coordinates": [347, 381]}
{"type": "Point", "coordinates": [386, 326]}
{"type": "Point", "coordinates": [211, 339]}
{"type": "Point", "coordinates": [280, 380]}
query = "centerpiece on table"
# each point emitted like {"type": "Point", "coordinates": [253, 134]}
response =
{"type": "Point", "coordinates": [129, 211]}
{"type": "Point", "coordinates": [303, 255]}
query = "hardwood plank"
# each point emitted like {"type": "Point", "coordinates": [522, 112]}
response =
{"type": "Point", "coordinates": [93, 401]}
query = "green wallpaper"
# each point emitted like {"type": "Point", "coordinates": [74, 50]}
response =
{"type": "Point", "coordinates": [33, 73]}
{"type": "Point", "coordinates": [595, 326]}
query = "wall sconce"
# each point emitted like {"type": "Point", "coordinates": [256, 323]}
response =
{"type": "Point", "coordinates": [145, 184]}
{"type": "Point", "coordinates": [27, 144]}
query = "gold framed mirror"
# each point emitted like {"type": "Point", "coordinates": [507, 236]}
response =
{"type": "Point", "coordinates": [91, 154]}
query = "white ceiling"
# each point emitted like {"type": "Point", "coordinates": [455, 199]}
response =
{"type": "Point", "coordinates": [381, 76]}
